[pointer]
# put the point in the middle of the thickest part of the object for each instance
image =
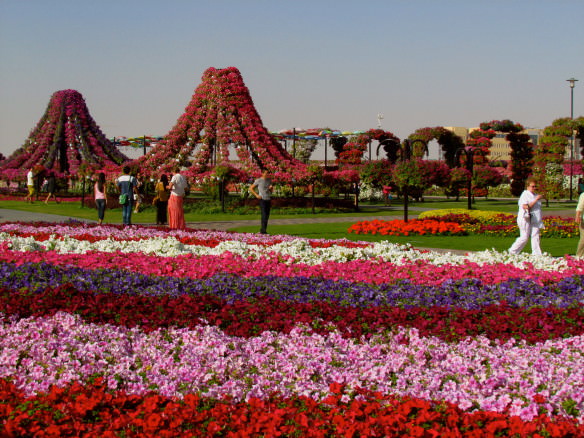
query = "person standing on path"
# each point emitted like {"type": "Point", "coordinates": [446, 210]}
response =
{"type": "Point", "coordinates": [30, 186]}
{"type": "Point", "coordinates": [529, 219]}
{"type": "Point", "coordinates": [176, 213]}
{"type": "Point", "coordinates": [127, 186]}
{"type": "Point", "coordinates": [579, 210]}
{"type": "Point", "coordinates": [161, 200]}
{"type": "Point", "coordinates": [139, 193]}
{"type": "Point", "coordinates": [264, 194]}
{"type": "Point", "coordinates": [100, 196]}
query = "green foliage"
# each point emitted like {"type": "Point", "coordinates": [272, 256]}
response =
{"type": "Point", "coordinates": [377, 173]}
{"type": "Point", "coordinates": [406, 175]}
{"type": "Point", "coordinates": [486, 176]}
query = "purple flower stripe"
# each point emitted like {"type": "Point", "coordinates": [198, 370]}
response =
{"type": "Point", "coordinates": [467, 293]}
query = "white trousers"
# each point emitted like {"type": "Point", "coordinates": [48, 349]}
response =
{"type": "Point", "coordinates": [525, 231]}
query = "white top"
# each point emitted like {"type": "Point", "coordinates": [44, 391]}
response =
{"type": "Point", "coordinates": [580, 206]}
{"type": "Point", "coordinates": [536, 217]}
{"type": "Point", "coordinates": [30, 178]}
{"type": "Point", "coordinates": [179, 184]}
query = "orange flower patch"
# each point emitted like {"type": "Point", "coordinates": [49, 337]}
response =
{"type": "Point", "coordinates": [398, 227]}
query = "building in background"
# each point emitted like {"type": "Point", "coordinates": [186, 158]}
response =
{"type": "Point", "coordinates": [500, 148]}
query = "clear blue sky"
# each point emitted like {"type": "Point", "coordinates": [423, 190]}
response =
{"type": "Point", "coordinates": [308, 64]}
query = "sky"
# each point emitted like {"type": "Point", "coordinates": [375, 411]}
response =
{"type": "Point", "coordinates": [308, 63]}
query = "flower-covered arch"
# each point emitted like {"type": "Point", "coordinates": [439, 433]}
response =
{"type": "Point", "coordinates": [448, 140]}
{"type": "Point", "coordinates": [521, 148]}
{"type": "Point", "coordinates": [220, 114]}
{"type": "Point", "coordinates": [354, 149]}
{"type": "Point", "coordinates": [66, 140]}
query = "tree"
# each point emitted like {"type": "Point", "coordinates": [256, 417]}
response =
{"type": "Point", "coordinates": [549, 156]}
{"type": "Point", "coordinates": [377, 173]}
{"type": "Point", "coordinates": [459, 177]}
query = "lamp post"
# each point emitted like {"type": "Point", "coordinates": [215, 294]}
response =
{"type": "Point", "coordinates": [469, 156]}
{"type": "Point", "coordinates": [572, 82]}
{"type": "Point", "coordinates": [405, 152]}
{"type": "Point", "coordinates": [222, 194]}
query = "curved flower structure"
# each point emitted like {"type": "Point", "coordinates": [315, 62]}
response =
{"type": "Point", "coordinates": [448, 140]}
{"type": "Point", "coordinates": [521, 149]}
{"type": "Point", "coordinates": [65, 137]}
{"type": "Point", "coordinates": [220, 114]}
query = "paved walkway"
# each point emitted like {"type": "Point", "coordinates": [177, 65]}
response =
{"type": "Point", "coordinates": [7, 215]}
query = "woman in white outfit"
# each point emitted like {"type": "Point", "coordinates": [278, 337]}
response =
{"type": "Point", "coordinates": [529, 219]}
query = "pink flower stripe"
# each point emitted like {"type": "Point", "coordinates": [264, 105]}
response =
{"type": "Point", "coordinates": [493, 376]}
{"type": "Point", "coordinates": [361, 271]}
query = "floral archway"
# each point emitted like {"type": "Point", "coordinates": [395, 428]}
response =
{"type": "Point", "coordinates": [353, 150]}
{"type": "Point", "coordinates": [221, 116]}
{"type": "Point", "coordinates": [448, 141]}
{"type": "Point", "coordinates": [66, 140]}
{"type": "Point", "coordinates": [522, 149]}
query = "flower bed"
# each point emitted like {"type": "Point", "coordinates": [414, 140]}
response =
{"type": "Point", "coordinates": [458, 222]}
{"type": "Point", "coordinates": [201, 333]}
{"type": "Point", "coordinates": [500, 224]}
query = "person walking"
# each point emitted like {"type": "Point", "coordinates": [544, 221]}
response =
{"type": "Point", "coordinates": [264, 194]}
{"type": "Point", "coordinates": [127, 186]}
{"type": "Point", "coordinates": [51, 187]}
{"type": "Point", "coordinates": [100, 195]}
{"type": "Point", "coordinates": [579, 221]}
{"type": "Point", "coordinates": [161, 200]}
{"type": "Point", "coordinates": [30, 186]}
{"type": "Point", "coordinates": [139, 193]}
{"type": "Point", "coordinates": [176, 214]}
{"type": "Point", "coordinates": [529, 219]}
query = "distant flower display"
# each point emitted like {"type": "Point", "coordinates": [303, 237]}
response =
{"type": "Point", "coordinates": [65, 137]}
{"type": "Point", "coordinates": [221, 113]}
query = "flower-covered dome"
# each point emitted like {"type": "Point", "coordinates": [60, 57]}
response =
{"type": "Point", "coordinates": [65, 139]}
{"type": "Point", "coordinates": [220, 115]}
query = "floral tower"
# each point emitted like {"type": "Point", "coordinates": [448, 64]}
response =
{"type": "Point", "coordinates": [66, 140]}
{"type": "Point", "coordinates": [221, 114]}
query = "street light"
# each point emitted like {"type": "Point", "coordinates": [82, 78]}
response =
{"type": "Point", "coordinates": [572, 82]}
{"type": "Point", "coordinates": [469, 155]}
{"type": "Point", "coordinates": [405, 152]}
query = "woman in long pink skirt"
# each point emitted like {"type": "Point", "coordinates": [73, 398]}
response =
{"type": "Point", "coordinates": [176, 214]}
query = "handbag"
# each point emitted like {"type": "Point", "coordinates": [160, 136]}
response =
{"type": "Point", "coordinates": [123, 199]}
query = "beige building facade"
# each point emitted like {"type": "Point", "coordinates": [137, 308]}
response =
{"type": "Point", "coordinates": [500, 148]}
